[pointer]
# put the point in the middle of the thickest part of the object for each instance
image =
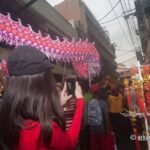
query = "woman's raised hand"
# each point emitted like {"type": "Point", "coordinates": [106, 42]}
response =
{"type": "Point", "coordinates": [78, 91]}
{"type": "Point", "coordinates": [64, 97]}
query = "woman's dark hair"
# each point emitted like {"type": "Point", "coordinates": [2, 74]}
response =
{"type": "Point", "coordinates": [31, 97]}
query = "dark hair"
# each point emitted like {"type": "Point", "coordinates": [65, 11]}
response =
{"type": "Point", "coordinates": [86, 88]}
{"type": "Point", "coordinates": [29, 97]}
{"type": "Point", "coordinates": [103, 95]}
{"type": "Point", "coordinates": [95, 95]}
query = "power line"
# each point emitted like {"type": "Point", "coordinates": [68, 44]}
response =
{"type": "Point", "coordinates": [122, 50]}
{"type": "Point", "coordinates": [136, 28]}
{"type": "Point", "coordinates": [122, 55]}
{"type": "Point", "coordinates": [128, 59]}
{"type": "Point", "coordinates": [109, 12]}
{"type": "Point", "coordinates": [127, 11]}
{"type": "Point", "coordinates": [119, 23]}
{"type": "Point", "coordinates": [112, 19]}
{"type": "Point", "coordinates": [131, 25]}
{"type": "Point", "coordinates": [120, 42]}
{"type": "Point", "coordinates": [129, 4]}
{"type": "Point", "coordinates": [125, 5]}
{"type": "Point", "coordinates": [128, 26]}
{"type": "Point", "coordinates": [131, 62]}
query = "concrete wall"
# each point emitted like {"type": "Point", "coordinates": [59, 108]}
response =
{"type": "Point", "coordinates": [73, 10]}
{"type": "Point", "coordinates": [69, 9]}
{"type": "Point", "coordinates": [4, 53]}
{"type": "Point", "coordinates": [144, 27]}
{"type": "Point", "coordinates": [45, 13]}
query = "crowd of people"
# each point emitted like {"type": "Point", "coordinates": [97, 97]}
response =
{"type": "Point", "coordinates": [36, 113]}
{"type": "Point", "coordinates": [107, 129]}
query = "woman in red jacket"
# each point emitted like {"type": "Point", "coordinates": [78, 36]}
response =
{"type": "Point", "coordinates": [31, 117]}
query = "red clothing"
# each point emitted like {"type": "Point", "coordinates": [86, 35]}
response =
{"type": "Point", "coordinates": [69, 113]}
{"type": "Point", "coordinates": [102, 142]}
{"type": "Point", "coordinates": [61, 140]}
{"type": "Point", "coordinates": [95, 87]}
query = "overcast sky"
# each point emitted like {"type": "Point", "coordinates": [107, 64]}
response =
{"type": "Point", "coordinates": [122, 39]}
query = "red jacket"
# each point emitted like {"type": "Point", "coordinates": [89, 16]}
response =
{"type": "Point", "coordinates": [60, 140]}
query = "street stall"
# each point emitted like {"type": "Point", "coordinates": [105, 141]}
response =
{"type": "Point", "coordinates": [139, 92]}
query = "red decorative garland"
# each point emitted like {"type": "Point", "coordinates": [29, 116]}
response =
{"type": "Point", "coordinates": [80, 53]}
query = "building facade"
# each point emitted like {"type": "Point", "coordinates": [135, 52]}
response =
{"type": "Point", "coordinates": [40, 15]}
{"type": "Point", "coordinates": [86, 25]}
{"type": "Point", "coordinates": [143, 17]}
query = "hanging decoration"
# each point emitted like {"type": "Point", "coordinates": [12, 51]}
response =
{"type": "Point", "coordinates": [79, 53]}
{"type": "Point", "coordinates": [127, 92]}
{"type": "Point", "coordinates": [141, 84]}
{"type": "Point", "coordinates": [140, 77]}
{"type": "Point", "coordinates": [82, 69]}
{"type": "Point", "coordinates": [146, 83]}
{"type": "Point", "coordinates": [3, 67]}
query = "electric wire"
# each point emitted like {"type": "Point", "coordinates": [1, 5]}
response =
{"type": "Point", "coordinates": [125, 5]}
{"type": "Point", "coordinates": [122, 55]}
{"type": "Point", "coordinates": [120, 42]}
{"type": "Point", "coordinates": [132, 25]}
{"type": "Point", "coordinates": [124, 50]}
{"type": "Point", "coordinates": [128, 26]}
{"type": "Point", "coordinates": [136, 28]}
{"type": "Point", "coordinates": [119, 23]}
{"type": "Point", "coordinates": [129, 4]}
{"type": "Point", "coordinates": [109, 12]}
{"type": "Point", "coordinates": [114, 19]}
{"type": "Point", "coordinates": [128, 59]}
{"type": "Point", "coordinates": [131, 62]}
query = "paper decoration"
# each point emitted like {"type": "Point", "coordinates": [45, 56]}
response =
{"type": "Point", "coordinates": [80, 53]}
{"type": "Point", "coordinates": [3, 67]}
